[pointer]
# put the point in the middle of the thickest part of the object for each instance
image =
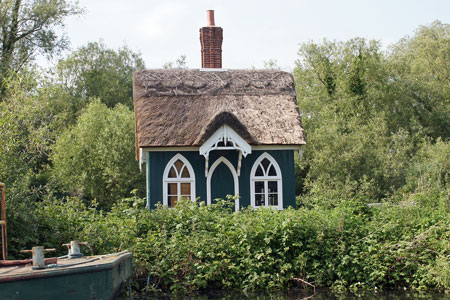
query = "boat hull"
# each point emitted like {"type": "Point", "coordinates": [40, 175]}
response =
{"type": "Point", "coordinates": [93, 281]}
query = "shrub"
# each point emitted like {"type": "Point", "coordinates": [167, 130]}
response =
{"type": "Point", "coordinates": [194, 246]}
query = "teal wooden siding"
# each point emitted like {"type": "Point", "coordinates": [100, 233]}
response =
{"type": "Point", "coordinates": [222, 182]}
{"type": "Point", "coordinates": [285, 159]}
{"type": "Point", "coordinates": [157, 161]}
{"type": "Point", "coordinates": [147, 178]}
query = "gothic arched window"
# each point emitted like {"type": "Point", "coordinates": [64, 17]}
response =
{"type": "Point", "coordinates": [178, 181]}
{"type": "Point", "coordinates": [266, 183]}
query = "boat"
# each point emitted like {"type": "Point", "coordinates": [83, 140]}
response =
{"type": "Point", "coordinates": [72, 276]}
{"type": "Point", "coordinates": [89, 277]}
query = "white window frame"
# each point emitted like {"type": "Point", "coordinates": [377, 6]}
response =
{"type": "Point", "coordinates": [266, 179]}
{"type": "Point", "coordinates": [178, 180]}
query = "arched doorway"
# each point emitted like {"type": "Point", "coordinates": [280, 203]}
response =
{"type": "Point", "coordinates": [222, 180]}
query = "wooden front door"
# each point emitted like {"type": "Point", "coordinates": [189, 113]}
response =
{"type": "Point", "coordinates": [222, 180]}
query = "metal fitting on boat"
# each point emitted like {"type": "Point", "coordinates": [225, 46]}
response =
{"type": "Point", "coordinates": [38, 256]}
{"type": "Point", "coordinates": [74, 248]}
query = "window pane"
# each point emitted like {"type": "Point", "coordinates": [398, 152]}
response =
{"type": "Point", "coordinates": [265, 162]}
{"type": "Point", "coordinates": [185, 189]}
{"type": "Point", "coordinates": [173, 201]}
{"type": "Point", "coordinates": [272, 186]}
{"type": "Point", "coordinates": [185, 173]}
{"type": "Point", "coordinates": [172, 173]}
{"type": "Point", "coordinates": [272, 171]}
{"type": "Point", "coordinates": [259, 171]}
{"type": "Point", "coordinates": [259, 200]}
{"type": "Point", "coordinates": [172, 189]}
{"type": "Point", "coordinates": [188, 197]}
{"type": "Point", "coordinates": [273, 199]}
{"type": "Point", "coordinates": [259, 187]}
{"type": "Point", "coordinates": [179, 164]}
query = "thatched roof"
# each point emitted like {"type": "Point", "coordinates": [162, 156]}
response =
{"type": "Point", "coordinates": [185, 107]}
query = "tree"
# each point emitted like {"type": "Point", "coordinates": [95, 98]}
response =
{"type": "Point", "coordinates": [180, 63]}
{"type": "Point", "coordinates": [29, 27]}
{"type": "Point", "coordinates": [271, 64]}
{"type": "Point", "coordinates": [99, 72]}
{"type": "Point", "coordinates": [95, 159]}
{"type": "Point", "coordinates": [31, 119]}
{"type": "Point", "coordinates": [430, 169]}
{"type": "Point", "coordinates": [343, 96]}
{"type": "Point", "coordinates": [420, 79]}
{"type": "Point", "coordinates": [377, 122]}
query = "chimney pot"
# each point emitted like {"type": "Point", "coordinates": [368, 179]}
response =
{"type": "Point", "coordinates": [210, 18]}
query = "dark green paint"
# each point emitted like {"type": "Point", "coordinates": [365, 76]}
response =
{"type": "Point", "coordinates": [222, 182]}
{"type": "Point", "coordinates": [285, 159]}
{"type": "Point", "coordinates": [92, 282]}
{"type": "Point", "coordinates": [147, 179]}
{"type": "Point", "coordinates": [157, 161]}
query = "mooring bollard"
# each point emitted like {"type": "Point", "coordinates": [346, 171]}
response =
{"type": "Point", "coordinates": [74, 248]}
{"type": "Point", "coordinates": [38, 256]}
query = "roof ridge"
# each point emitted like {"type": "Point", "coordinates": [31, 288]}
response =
{"type": "Point", "coordinates": [182, 82]}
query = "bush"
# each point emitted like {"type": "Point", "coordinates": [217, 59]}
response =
{"type": "Point", "coordinates": [194, 246]}
{"type": "Point", "coordinates": [95, 159]}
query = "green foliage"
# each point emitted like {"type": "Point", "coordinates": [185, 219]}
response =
{"type": "Point", "coordinates": [95, 71]}
{"type": "Point", "coordinates": [429, 172]}
{"type": "Point", "coordinates": [95, 159]}
{"type": "Point", "coordinates": [271, 64]}
{"type": "Point", "coordinates": [31, 119]}
{"type": "Point", "coordinates": [194, 246]}
{"type": "Point", "coordinates": [350, 151]}
{"type": "Point", "coordinates": [28, 28]}
{"type": "Point", "coordinates": [419, 77]}
{"type": "Point", "coordinates": [180, 63]}
{"type": "Point", "coordinates": [377, 130]}
{"type": "Point", "coordinates": [367, 114]}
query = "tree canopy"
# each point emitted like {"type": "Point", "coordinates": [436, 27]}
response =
{"type": "Point", "coordinates": [30, 27]}
{"type": "Point", "coordinates": [368, 112]}
{"type": "Point", "coordinates": [95, 159]}
{"type": "Point", "coordinates": [100, 72]}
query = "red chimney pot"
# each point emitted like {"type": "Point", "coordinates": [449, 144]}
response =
{"type": "Point", "coordinates": [210, 17]}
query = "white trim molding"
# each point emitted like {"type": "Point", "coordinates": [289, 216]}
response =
{"type": "Point", "coordinates": [235, 179]}
{"type": "Point", "coordinates": [266, 178]}
{"type": "Point", "coordinates": [169, 148]}
{"type": "Point", "coordinates": [276, 147]}
{"type": "Point", "coordinates": [192, 148]}
{"type": "Point", "coordinates": [225, 138]}
{"type": "Point", "coordinates": [141, 158]}
{"type": "Point", "coordinates": [178, 180]}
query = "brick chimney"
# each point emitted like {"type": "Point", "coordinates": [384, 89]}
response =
{"type": "Point", "coordinates": [211, 38]}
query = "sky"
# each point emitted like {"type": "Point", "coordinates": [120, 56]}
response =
{"type": "Point", "coordinates": [254, 31]}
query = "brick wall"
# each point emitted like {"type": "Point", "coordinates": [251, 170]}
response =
{"type": "Point", "coordinates": [211, 41]}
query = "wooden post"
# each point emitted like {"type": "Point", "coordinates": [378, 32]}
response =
{"type": "Point", "coordinates": [3, 222]}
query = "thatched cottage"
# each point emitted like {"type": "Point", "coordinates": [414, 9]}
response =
{"type": "Point", "coordinates": [214, 132]}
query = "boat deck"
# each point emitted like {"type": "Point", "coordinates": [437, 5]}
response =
{"type": "Point", "coordinates": [64, 266]}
